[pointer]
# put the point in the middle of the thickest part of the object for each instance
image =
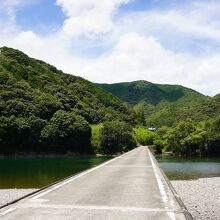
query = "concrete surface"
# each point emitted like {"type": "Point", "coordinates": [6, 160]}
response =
{"type": "Point", "coordinates": [127, 187]}
{"type": "Point", "coordinates": [9, 195]}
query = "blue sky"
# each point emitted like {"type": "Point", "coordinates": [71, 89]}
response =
{"type": "Point", "coordinates": [45, 16]}
{"type": "Point", "coordinates": [163, 41]}
{"type": "Point", "coordinates": [142, 5]}
{"type": "Point", "coordinates": [40, 15]}
{"type": "Point", "coordinates": [44, 13]}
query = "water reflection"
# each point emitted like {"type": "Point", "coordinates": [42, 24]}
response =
{"type": "Point", "coordinates": [39, 172]}
{"type": "Point", "coordinates": [185, 168]}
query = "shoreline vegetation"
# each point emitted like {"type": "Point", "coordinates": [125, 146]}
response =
{"type": "Point", "coordinates": [183, 138]}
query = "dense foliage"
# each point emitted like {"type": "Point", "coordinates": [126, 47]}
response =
{"type": "Point", "coordinates": [96, 138]}
{"type": "Point", "coordinates": [190, 138]}
{"type": "Point", "coordinates": [67, 132]}
{"type": "Point", "coordinates": [187, 122]}
{"type": "Point", "coordinates": [117, 137]}
{"type": "Point", "coordinates": [143, 91]}
{"type": "Point", "coordinates": [112, 137]}
{"type": "Point", "coordinates": [144, 136]}
{"type": "Point", "coordinates": [158, 105]}
{"type": "Point", "coordinates": [44, 109]}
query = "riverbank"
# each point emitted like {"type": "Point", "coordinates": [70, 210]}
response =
{"type": "Point", "coordinates": [201, 197]}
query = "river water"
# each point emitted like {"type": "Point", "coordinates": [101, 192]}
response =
{"type": "Point", "coordinates": [187, 168]}
{"type": "Point", "coordinates": [39, 172]}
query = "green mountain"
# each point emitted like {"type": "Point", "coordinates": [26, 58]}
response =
{"type": "Point", "coordinates": [143, 91]}
{"type": "Point", "coordinates": [45, 110]}
{"type": "Point", "coordinates": [164, 104]}
{"type": "Point", "coordinates": [33, 87]}
{"type": "Point", "coordinates": [197, 109]}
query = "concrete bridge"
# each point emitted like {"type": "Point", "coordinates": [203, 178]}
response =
{"type": "Point", "coordinates": [128, 187]}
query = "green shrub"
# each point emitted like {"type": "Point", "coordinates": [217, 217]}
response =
{"type": "Point", "coordinates": [159, 145]}
{"type": "Point", "coordinates": [144, 136]}
{"type": "Point", "coordinates": [117, 137]}
{"type": "Point", "coordinates": [96, 137]}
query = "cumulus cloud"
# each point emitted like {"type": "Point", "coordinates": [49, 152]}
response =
{"type": "Point", "coordinates": [89, 16]}
{"type": "Point", "coordinates": [135, 57]}
{"type": "Point", "coordinates": [138, 43]}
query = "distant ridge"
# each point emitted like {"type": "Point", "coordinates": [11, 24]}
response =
{"type": "Point", "coordinates": [165, 104]}
{"type": "Point", "coordinates": [144, 91]}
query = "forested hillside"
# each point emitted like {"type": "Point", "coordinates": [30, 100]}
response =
{"type": "Point", "coordinates": [41, 106]}
{"type": "Point", "coordinates": [41, 89]}
{"type": "Point", "coordinates": [142, 91]}
{"type": "Point", "coordinates": [187, 122]}
{"type": "Point", "coordinates": [198, 110]}
{"type": "Point", "coordinates": [43, 110]}
{"type": "Point", "coordinates": [164, 104]}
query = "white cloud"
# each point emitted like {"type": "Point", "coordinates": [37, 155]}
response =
{"type": "Point", "coordinates": [138, 57]}
{"type": "Point", "coordinates": [9, 7]}
{"type": "Point", "coordinates": [89, 16]}
{"type": "Point", "coordinates": [198, 22]}
{"type": "Point", "coordinates": [135, 49]}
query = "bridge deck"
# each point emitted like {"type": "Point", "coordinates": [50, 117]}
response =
{"type": "Point", "coordinates": [127, 187]}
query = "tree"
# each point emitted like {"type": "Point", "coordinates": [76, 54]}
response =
{"type": "Point", "coordinates": [117, 137]}
{"type": "Point", "coordinates": [46, 106]}
{"type": "Point", "coordinates": [96, 137]}
{"type": "Point", "coordinates": [144, 136]}
{"type": "Point", "coordinates": [67, 132]}
{"type": "Point", "coordinates": [175, 137]}
{"type": "Point", "coordinates": [141, 118]}
{"type": "Point", "coordinates": [15, 107]}
{"type": "Point", "coordinates": [196, 142]}
{"type": "Point", "coordinates": [36, 125]}
{"type": "Point", "coordinates": [14, 133]}
{"type": "Point", "coordinates": [160, 140]}
{"type": "Point", "coordinates": [213, 136]}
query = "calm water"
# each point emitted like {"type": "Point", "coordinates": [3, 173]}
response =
{"type": "Point", "coordinates": [185, 168]}
{"type": "Point", "coordinates": [39, 172]}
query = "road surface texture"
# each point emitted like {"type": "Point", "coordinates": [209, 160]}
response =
{"type": "Point", "coordinates": [128, 187]}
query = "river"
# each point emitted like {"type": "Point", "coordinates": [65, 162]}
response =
{"type": "Point", "coordinates": [24, 173]}
{"type": "Point", "coordinates": [187, 168]}
{"type": "Point", "coordinates": [39, 172]}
